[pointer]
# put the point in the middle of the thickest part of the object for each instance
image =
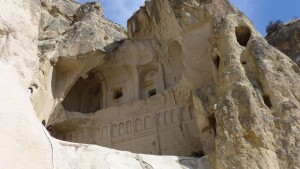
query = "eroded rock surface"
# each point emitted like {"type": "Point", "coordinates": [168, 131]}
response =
{"type": "Point", "coordinates": [22, 137]}
{"type": "Point", "coordinates": [20, 34]}
{"type": "Point", "coordinates": [287, 40]}
{"type": "Point", "coordinates": [190, 78]}
{"type": "Point", "coordinates": [26, 143]}
{"type": "Point", "coordinates": [75, 35]}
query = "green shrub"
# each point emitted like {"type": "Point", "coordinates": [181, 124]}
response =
{"type": "Point", "coordinates": [274, 26]}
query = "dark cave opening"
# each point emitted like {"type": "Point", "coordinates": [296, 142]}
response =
{"type": "Point", "coordinates": [267, 101]}
{"type": "Point", "coordinates": [213, 123]}
{"type": "Point", "coordinates": [243, 35]}
{"type": "Point", "coordinates": [217, 61]}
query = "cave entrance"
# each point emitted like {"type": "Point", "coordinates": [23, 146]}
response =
{"type": "Point", "coordinates": [243, 34]}
{"type": "Point", "coordinates": [86, 95]}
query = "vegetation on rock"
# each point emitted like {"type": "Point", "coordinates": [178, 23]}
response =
{"type": "Point", "coordinates": [274, 26]}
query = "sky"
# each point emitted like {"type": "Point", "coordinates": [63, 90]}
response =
{"type": "Point", "coordinates": [261, 12]}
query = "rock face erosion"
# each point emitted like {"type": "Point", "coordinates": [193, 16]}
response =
{"type": "Point", "coordinates": [287, 39]}
{"type": "Point", "coordinates": [191, 79]}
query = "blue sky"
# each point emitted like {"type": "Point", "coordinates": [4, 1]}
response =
{"type": "Point", "coordinates": [261, 12]}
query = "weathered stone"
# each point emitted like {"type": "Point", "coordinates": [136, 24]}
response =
{"type": "Point", "coordinates": [193, 78]}
{"type": "Point", "coordinates": [287, 40]}
{"type": "Point", "coordinates": [17, 35]}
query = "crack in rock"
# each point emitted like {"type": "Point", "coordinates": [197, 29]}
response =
{"type": "Point", "coordinates": [106, 155]}
{"type": "Point", "coordinates": [143, 163]}
{"type": "Point", "coordinates": [51, 147]}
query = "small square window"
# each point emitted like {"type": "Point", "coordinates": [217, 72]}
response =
{"type": "Point", "coordinates": [118, 93]}
{"type": "Point", "coordinates": [152, 92]}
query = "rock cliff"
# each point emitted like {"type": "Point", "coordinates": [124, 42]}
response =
{"type": "Point", "coordinates": [188, 78]}
{"type": "Point", "coordinates": [286, 39]}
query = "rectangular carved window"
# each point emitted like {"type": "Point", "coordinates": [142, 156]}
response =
{"type": "Point", "coordinates": [118, 93]}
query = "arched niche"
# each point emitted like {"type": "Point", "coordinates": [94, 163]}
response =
{"type": "Point", "coordinates": [175, 62]}
{"type": "Point", "coordinates": [121, 129]}
{"type": "Point", "coordinates": [128, 127]}
{"type": "Point", "coordinates": [104, 133]}
{"type": "Point", "coordinates": [174, 116]}
{"type": "Point", "coordinates": [150, 81]}
{"type": "Point", "coordinates": [86, 96]}
{"type": "Point", "coordinates": [119, 84]}
{"type": "Point", "coordinates": [103, 86]}
{"type": "Point", "coordinates": [138, 125]}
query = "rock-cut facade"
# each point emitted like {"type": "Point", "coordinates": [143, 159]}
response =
{"type": "Point", "coordinates": [188, 84]}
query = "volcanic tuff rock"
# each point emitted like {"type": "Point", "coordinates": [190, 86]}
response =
{"type": "Point", "coordinates": [191, 78]}
{"type": "Point", "coordinates": [287, 40]}
{"type": "Point", "coordinates": [70, 29]}
{"type": "Point", "coordinates": [14, 36]}
{"type": "Point", "coordinates": [71, 33]}
{"type": "Point", "coordinates": [22, 134]}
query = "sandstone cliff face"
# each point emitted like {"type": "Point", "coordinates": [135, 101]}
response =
{"type": "Point", "coordinates": [192, 78]}
{"type": "Point", "coordinates": [287, 40]}
{"type": "Point", "coordinates": [27, 143]}
{"type": "Point", "coordinates": [254, 111]}
{"type": "Point", "coordinates": [259, 108]}
{"type": "Point", "coordinates": [22, 136]}
{"type": "Point", "coordinates": [75, 35]}
{"type": "Point", "coordinates": [15, 35]}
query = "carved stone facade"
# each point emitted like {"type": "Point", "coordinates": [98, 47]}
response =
{"type": "Point", "coordinates": [167, 132]}
{"type": "Point", "coordinates": [189, 77]}
{"type": "Point", "coordinates": [121, 107]}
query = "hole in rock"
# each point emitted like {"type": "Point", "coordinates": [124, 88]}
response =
{"type": "Point", "coordinates": [213, 123]}
{"type": "Point", "coordinates": [198, 154]}
{"type": "Point", "coordinates": [244, 62]}
{"type": "Point", "coordinates": [217, 61]}
{"type": "Point", "coordinates": [118, 93]}
{"type": "Point", "coordinates": [44, 123]}
{"type": "Point", "coordinates": [152, 92]}
{"type": "Point", "coordinates": [243, 35]}
{"type": "Point", "coordinates": [267, 101]}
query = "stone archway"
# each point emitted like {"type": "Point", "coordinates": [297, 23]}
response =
{"type": "Point", "coordinates": [86, 96]}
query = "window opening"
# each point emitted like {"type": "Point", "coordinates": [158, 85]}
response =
{"type": "Point", "coordinates": [152, 92]}
{"type": "Point", "coordinates": [118, 93]}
